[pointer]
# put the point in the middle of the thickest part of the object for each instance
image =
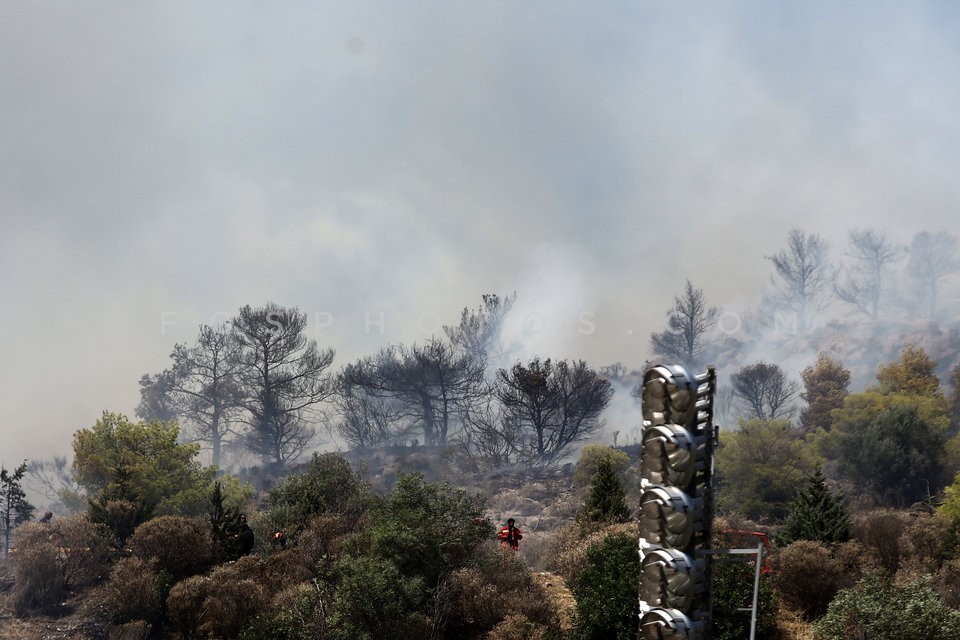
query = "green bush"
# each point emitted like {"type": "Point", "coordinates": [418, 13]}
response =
{"type": "Point", "coordinates": [328, 484]}
{"type": "Point", "coordinates": [590, 457]}
{"type": "Point", "coordinates": [296, 613]}
{"type": "Point", "coordinates": [606, 591]}
{"type": "Point", "coordinates": [733, 589]}
{"type": "Point", "coordinates": [427, 530]}
{"type": "Point", "coordinates": [878, 609]}
{"type": "Point", "coordinates": [606, 501]}
{"type": "Point", "coordinates": [374, 600]}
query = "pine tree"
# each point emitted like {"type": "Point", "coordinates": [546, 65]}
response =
{"type": "Point", "coordinates": [224, 526]}
{"type": "Point", "coordinates": [606, 502]}
{"type": "Point", "coordinates": [815, 514]}
{"type": "Point", "coordinates": [14, 508]}
{"type": "Point", "coordinates": [826, 384]}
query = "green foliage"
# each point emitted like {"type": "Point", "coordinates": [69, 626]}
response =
{"type": "Point", "coordinates": [590, 457]}
{"type": "Point", "coordinates": [878, 609]}
{"type": "Point", "coordinates": [374, 599]}
{"type": "Point", "coordinates": [118, 460]}
{"type": "Point", "coordinates": [328, 484]}
{"type": "Point", "coordinates": [296, 613]}
{"type": "Point", "coordinates": [760, 467]}
{"type": "Point", "coordinates": [955, 400]}
{"type": "Point", "coordinates": [606, 502]}
{"type": "Point", "coordinates": [825, 386]}
{"type": "Point", "coordinates": [951, 500]}
{"type": "Point", "coordinates": [224, 526]}
{"type": "Point", "coordinates": [427, 530]}
{"type": "Point", "coordinates": [14, 508]}
{"type": "Point", "coordinates": [606, 591]}
{"type": "Point", "coordinates": [815, 514]}
{"type": "Point", "coordinates": [912, 375]}
{"type": "Point", "coordinates": [888, 446]}
{"type": "Point", "coordinates": [733, 589]}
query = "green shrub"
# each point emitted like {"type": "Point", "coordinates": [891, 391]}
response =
{"type": "Point", "coordinates": [733, 589]}
{"type": "Point", "coordinates": [328, 484]}
{"type": "Point", "coordinates": [606, 501]}
{"type": "Point", "coordinates": [298, 612]}
{"type": "Point", "coordinates": [590, 457]}
{"type": "Point", "coordinates": [374, 600]}
{"type": "Point", "coordinates": [878, 609]}
{"type": "Point", "coordinates": [427, 530]}
{"type": "Point", "coordinates": [606, 591]}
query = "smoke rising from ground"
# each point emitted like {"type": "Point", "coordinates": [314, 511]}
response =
{"type": "Point", "coordinates": [380, 167]}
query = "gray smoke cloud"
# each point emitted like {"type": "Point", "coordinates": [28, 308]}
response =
{"type": "Point", "coordinates": [381, 165]}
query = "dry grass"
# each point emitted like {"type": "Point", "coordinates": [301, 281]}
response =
{"type": "Point", "coordinates": [792, 626]}
{"type": "Point", "coordinates": [559, 596]}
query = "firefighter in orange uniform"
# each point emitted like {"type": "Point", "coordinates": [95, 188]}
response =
{"type": "Point", "coordinates": [510, 536]}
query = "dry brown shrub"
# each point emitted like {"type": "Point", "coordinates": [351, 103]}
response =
{"type": "Point", "coordinates": [321, 538]}
{"type": "Point", "coordinates": [809, 574]}
{"type": "Point", "coordinates": [946, 582]}
{"type": "Point", "coordinates": [474, 602]}
{"type": "Point", "coordinates": [302, 607]}
{"type": "Point", "coordinates": [807, 577]}
{"type": "Point", "coordinates": [121, 517]}
{"type": "Point", "coordinates": [517, 625]}
{"type": "Point", "coordinates": [82, 550]}
{"type": "Point", "coordinates": [282, 569]}
{"type": "Point", "coordinates": [880, 531]}
{"type": "Point", "coordinates": [221, 604]}
{"type": "Point", "coordinates": [927, 544]}
{"type": "Point", "coordinates": [230, 606]}
{"type": "Point", "coordinates": [480, 596]}
{"type": "Point", "coordinates": [39, 582]}
{"type": "Point", "coordinates": [137, 630]}
{"type": "Point", "coordinates": [570, 545]}
{"type": "Point", "coordinates": [853, 562]}
{"type": "Point", "coordinates": [132, 592]}
{"type": "Point", "coordinates": [181, 545]}
{"type": "Point", "coordinates": [185, 604]}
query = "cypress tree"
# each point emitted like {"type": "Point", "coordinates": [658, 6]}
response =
{"type": "Point", "coordinates": [816, 513]}
{"type": "Point", "coordinates": [606, 502]}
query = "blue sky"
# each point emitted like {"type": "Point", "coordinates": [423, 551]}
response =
{"type": "Point", "coordinates": [163, 164]}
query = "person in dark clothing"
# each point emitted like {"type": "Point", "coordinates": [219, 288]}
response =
{"type": "Point", "coordinates": [510, 536]}
{"type": "Point", "coordinates": [245, 536]}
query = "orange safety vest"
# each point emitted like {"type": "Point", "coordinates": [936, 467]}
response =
{"type": "Point", "coordinates": [506, 537]}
